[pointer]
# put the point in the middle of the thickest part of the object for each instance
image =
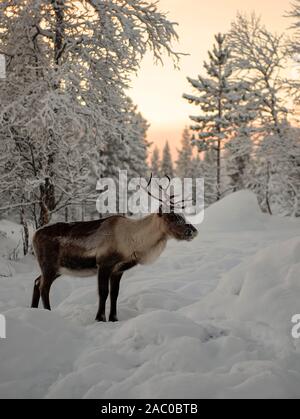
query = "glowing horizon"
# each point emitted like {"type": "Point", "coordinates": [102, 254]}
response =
{"type": "Point", "coordinates": [158, 90]}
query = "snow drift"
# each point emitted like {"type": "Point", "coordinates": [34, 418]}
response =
{"type": "Point", "coordinates": [238, 212]}
{"type": "Point", "coordinates": [211, 318]}
{"type": "Point", "coordinates": [241, 212]}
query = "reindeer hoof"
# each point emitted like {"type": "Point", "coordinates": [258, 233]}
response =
{"type": "Point", "coordinates": [113, 319]}
{"type": "Point", "coordinates": [101, 318]}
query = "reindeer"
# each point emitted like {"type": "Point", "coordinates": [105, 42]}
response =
{"type": "Point", "coordinates": [107, 247]}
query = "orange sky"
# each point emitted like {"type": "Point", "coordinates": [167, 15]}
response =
{"type": "Point", "coordinates": [157, 90]}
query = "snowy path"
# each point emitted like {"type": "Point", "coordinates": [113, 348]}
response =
{"type": "Point", "coordinates": [211, 318]}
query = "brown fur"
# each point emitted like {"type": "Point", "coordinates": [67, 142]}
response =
{"type": "Point", "coordinates": [108, 247]}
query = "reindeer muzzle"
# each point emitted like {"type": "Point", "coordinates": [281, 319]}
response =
{"type": "Point", "coordinates": [191, 233]}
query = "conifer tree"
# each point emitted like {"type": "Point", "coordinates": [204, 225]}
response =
{"type": "Point", "coordinates": [185, 154]}
{"type": "Point", "coordinates": [221, 98]}
{"type": "Point", "coordinates": [167, 162]}
{"type": "Point", "coordinates": [155, 163]}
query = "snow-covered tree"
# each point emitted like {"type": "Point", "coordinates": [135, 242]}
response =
{"type": "Point", "coordinates": [210, 176]}
{"type": "Point", "coordinates": [129, 151]}
{"type": "Point", "coordinates": [225, 106]}
{"type": "Point", "coordinates": [68, 64]}
{"type": "Point", "coordinates": [237, 160]}
{"type": "Point", "coordinates": [197, 168]}
{"type": "Point", "coordinates": [261, 57]}
{"type": "Point", "coordinates": [184, 167]}
{"type": "Point", "coordinates": [137, 144]}
{"type": "Point", "coordinates": [283, 178]}
{"type": "Point", "coordinates": [294, 14]}
{"type": "Point", "coordinates": [167, 162]}
{"type": "Point", "coordinates": [155, 164]}
{"type": "Point", "coordinates": [294, 47]}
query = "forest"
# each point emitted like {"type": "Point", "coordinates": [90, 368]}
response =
{"type": "Point", "coordinates": [209, 314]}
{"type": "Point", "coordinates": [66, 119]}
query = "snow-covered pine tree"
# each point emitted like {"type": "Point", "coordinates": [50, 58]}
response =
{"type": "Point", "coordinates": [184, 167]}
{"type": "Point", "coordinates": [167, 162]}
{"type": "Point", "coordinates": [130, 150]}
{"type": "Point", "coordinates": [155, 164]}
{"type": "Point", "coordinates": [261, 56]}
{"type": "Point", "coordinates": [237, 160]}
{"type": "Point", "coordinates": [294, 13]}
{"type": "Point", "coordinates": [137, 144]}
{"type": "Point", "coordinates": [196, 172]}
{"type": "Point", "coordinates": [210, 170]}
{"type": "Point", "coordinates": [67, 66]}
{"type": "Point", "coordinates": [222, 99]}
{"type": "Point", "coordinates": [197, 167]}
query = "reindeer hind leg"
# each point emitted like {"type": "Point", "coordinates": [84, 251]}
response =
{"type": "Point", "coordinates": [45, 286]}
{"type": "Point", "coordinates": [36, 293]}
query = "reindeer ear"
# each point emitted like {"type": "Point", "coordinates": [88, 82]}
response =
{"type": "Point", "coordinates": [160, 211]}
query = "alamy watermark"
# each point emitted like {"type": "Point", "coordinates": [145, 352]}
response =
{"type": "Point", "coordinates": [296, 329]}
{"type": "Point", "coordinates": [2, 67]}
{"type": "Point", "coordinates": [2, 327]}
{"type": "Point", "coordinates": [144, 196]}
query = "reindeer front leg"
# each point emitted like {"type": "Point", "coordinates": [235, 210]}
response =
{"type": "Point", "coordinates": [104, 273]}
{"type": "Point", "coordinates": [114, 289]}
{"type": "Point", "coordinates": [114, 293]}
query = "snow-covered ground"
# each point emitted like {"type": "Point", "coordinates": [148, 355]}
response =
{"type": "Point", "coordinates": [211, 318]}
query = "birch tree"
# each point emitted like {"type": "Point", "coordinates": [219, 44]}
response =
{"type": "Point", "coordinates": [261, 57]}
{"type": "Point", "coordinates": [68, 64]}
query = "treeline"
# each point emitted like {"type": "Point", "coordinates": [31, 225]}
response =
{"type": "Point", "coordinates": [246, 132]}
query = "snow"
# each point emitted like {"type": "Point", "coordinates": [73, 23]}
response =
{"type": "Point", "coordinates": [10, 240]}
{"type": "Point", "coordinates": [211, 318]}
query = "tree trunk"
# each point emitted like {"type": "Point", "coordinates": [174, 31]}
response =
{"type": "Point", "coordinates": [58, 6]}
{"type": "Point", "coordinates": [268, 190]}
{"type": "Point", "coordinates": [219, 129]}
{"type": "Point", "coordinates": [47, 201]}
{"type": "Point", "coordinates": [44, 215]}
{"type": "Point", "coordinates": [47, 190]}
{"type": "Point", "coordinates": [219, 171]}
{"type": "Point", "coordinates": [66, 214]}
{"type": "Point", "coordinates": [25, 235]}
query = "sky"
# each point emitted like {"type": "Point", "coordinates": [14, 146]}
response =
{"type": "Point", "coordinates": [158, 90]}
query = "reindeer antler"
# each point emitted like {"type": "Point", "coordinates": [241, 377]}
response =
{"type": "Point", "coordinates": [183, 201]}
{"type": "Point", "coordinates": [163, 190]}
{"type": "Point", "coordinates": [169, 199]}
{"type": "Point", "coordinates": [149, 193]}
{"type": "Point", "coordinates": [150, 180]}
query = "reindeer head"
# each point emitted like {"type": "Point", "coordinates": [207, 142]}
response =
{"type": "Point", "coordinates": [177, 227]}
{"type": "Point", "coordinates": [175, 224]}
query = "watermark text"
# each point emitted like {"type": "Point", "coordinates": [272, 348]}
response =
{"type": "Point", "coordinates": [2, 67]}
{"type": "Point", "coordinates": [143, 196]}
{"type": "Point", "coordinates": [296, 328]}
{"type": "Point", "coordinates": [2, 327]}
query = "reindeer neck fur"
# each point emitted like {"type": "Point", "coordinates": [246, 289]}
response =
{"type": "Point", "coordinates": [148, 238]}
